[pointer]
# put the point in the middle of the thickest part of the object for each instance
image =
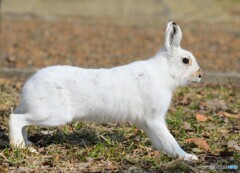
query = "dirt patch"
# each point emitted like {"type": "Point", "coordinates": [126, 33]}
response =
{"type": "Point", "coordinates": [105, 43]}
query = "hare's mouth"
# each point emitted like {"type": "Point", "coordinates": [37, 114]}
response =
{"type": "Point", "coordinates": [196, 80]}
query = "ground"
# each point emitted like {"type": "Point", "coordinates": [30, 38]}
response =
{"type": "Point", "coordinates": [213, 135]}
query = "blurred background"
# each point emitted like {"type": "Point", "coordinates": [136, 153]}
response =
{"type": "Point", "coordinates": [107, 33]}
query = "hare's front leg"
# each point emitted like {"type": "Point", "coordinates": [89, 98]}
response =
{"type": "Point", "coordinates": [162, 139]}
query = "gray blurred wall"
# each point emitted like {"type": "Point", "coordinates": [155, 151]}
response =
{"type": "Point", "coordinates": [142, 9]}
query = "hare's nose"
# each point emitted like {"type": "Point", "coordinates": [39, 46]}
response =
{"type": "Point", "coordinates": [200, 73]}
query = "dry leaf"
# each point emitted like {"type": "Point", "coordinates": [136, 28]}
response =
{"type": "Point", "coordinates": [233, 144]}
{"type": "Point", "coordinates": [22, 169]}
{"type": "Point", "coordinates": [216, 104]}
{"type": "Point", "coordinates": [201, 143]}
{"type": "Point", "coordinates": [186, 126]}
{"type": "Point", "coordinates": [110, 165]}
{"type": "Point", "coordinates": [228, 115]}
{"type": "Point", "coordinates": [201, 117]}
{"type": "Point", "coordinates": [89, 159]}
{"type": "Point", "coordinates": [57, 157]}
{"type": "Point", "coordinates": [197, 150]}
{"type": "Point", "coordinates": [41, 149]}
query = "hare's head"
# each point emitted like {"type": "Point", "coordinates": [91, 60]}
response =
{"type": "Point", "coordinates": [183, 66]}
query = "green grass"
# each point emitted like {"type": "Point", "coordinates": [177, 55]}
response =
{"type": "Point", "coordinates": [116, 148]}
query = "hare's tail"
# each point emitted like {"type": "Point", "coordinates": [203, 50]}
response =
{"type": "Point", "coordinates": [21, 108]}
{"type": "Point", "coordinates": [18, 110]}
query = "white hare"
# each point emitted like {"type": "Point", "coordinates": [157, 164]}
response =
{"type": "Point", "coordinates": [139, 93]}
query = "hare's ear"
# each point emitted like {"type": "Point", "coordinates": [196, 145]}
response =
{"type": "Point", "coordinates": [173, 36]}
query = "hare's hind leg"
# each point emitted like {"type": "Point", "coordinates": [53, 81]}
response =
{"type": "Point", "coordinates": [17, 130]}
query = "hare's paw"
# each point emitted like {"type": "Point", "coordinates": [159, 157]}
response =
{"type": "Point", "coordinates": [189, 157]}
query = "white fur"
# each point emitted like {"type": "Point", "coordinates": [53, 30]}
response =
{"type": "Point", "coordinates": [139, 93]}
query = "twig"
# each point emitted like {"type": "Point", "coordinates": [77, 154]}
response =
{"type": "Point", "coordinates": [105, 139]}
{"type": "Point", "coordinates": [85, 145]}
{"type": "Point", "coordinates": [1, 154]}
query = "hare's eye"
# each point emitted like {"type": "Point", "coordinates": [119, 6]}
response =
{"type": "Point", "coordinates": [185, 60]}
